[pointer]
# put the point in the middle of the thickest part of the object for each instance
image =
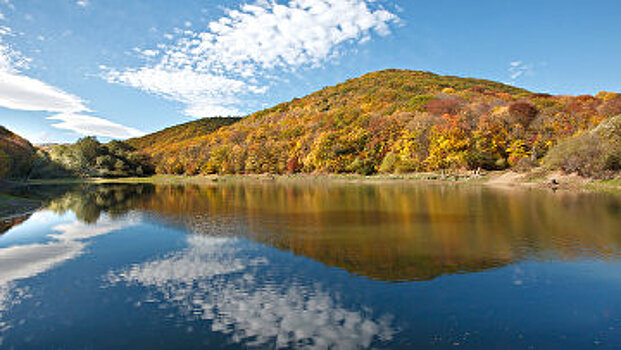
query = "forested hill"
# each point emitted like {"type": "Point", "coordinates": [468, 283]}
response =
{"type": "Point", "coordinates": [16, 155]}
{"type": "Point", "coordinates": [392, 121]}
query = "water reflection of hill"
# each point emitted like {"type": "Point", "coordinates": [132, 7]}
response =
{"type": "Point", "coordinates": [9, 223]}
{"type": "Point", "coordinates": [384, 232]}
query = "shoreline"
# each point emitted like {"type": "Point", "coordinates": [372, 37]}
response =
{"type": "Point", "coordinates": [507, 179]}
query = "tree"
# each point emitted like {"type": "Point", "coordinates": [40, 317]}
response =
{"type": "Point", "coordinates": [88, 157]}
{"type": "Point", "coordinates": [5, 164]}
{"type": "Point", "coordinates": [449, 144]}
{"type": "Point", "coordinates": [522, 113]}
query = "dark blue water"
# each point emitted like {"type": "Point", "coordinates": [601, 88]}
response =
{"type": "Point", "coordinates": [319, 266]}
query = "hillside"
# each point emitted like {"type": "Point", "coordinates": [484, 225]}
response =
{"type": "Point", "coordinates": [16, 155]}
{"type": "Point", "coordinates": [180, 133]}
{"type": "Point", "coordinates": [393, 121]}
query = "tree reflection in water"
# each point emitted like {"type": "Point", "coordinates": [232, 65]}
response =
{"type": "Point", "coordinates": [388, 232]}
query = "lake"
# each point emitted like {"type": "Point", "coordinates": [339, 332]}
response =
{"type": "Point", "coordinates": [314, 264]}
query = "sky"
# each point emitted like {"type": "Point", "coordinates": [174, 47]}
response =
{"type": "Point", "coordinates": [117, 69]}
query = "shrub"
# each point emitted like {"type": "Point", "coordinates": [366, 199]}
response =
{"type": "Point", "coordinates": [389, 163]}
{"type": "Point", "coordinates": [5, 164]}
{"type": "Point", "coordinates": [584, 155]}
{"type": "Point", "coordinates": [361, 166]}
{"type": "Point", "coordinates": [419, 103]}
{"type": "Point", "coordinates": [593, 154]}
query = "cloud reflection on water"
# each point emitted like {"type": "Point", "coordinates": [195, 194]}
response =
{"type": "Point", "coordinates": [215, 280]}
{"type": "Point", "coordinates": [20, 262]}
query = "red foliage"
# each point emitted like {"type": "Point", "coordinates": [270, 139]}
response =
{"type": "Point", "coordinates": [611, 107]}
{"type": "Point", "coordinates": [440, 106]}
{"type": "Point", "coordinates": [294, 165]}
{"type": "Point", "coordinates": [522, 113]}
{"type": "Point", "coordinates": [586, 98]}
{"type": "Point", "coordinates": [450, 121]}
{"type": "Point", "coordinates": [503, 96]}
{"type": "Point", "coordinates": [583, 105]}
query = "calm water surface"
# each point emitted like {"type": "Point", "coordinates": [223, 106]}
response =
{"type": "Point", "coordinates": [312, 265]}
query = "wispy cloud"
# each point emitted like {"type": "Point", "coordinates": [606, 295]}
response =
{"type": "Point", "coordinates": [82, 3]}
{"type": "Point", "coordinates": [21, 92]}
{"type": "Point", "coordinates": [518, 69]}
{"type": "Point", "coordinates": [11, 60]}
{"type": "Point", "coordinates": [209, 70]}
{"type": "Point", "coordinates": [89, 125]}
{"type": "Point", "coordinates": [8, 4]}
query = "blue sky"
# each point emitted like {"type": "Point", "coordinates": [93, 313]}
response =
{"type": "Point", "coordinates": [120, 68]}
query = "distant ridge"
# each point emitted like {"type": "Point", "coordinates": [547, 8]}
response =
{"type": "Point", "coordinates": [181, 132]}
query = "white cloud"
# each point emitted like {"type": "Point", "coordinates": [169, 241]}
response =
{"type": "Point", "coordinates": [89, 125]}
{"type": "Point", "coordinates": [216, 66]}
{"type": "Point", "coordinates": [20, 92]}
{"type": "Point", "coordinates": [205, 94]}
{"type": "Point", "coordinates": [273, 35]}
{"type": "Point", "coordinates": [83, 3]}
{"type": "Point", "coordinates": [148, 53]}
{"type": "Point", "coordinates": [79, 231]}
